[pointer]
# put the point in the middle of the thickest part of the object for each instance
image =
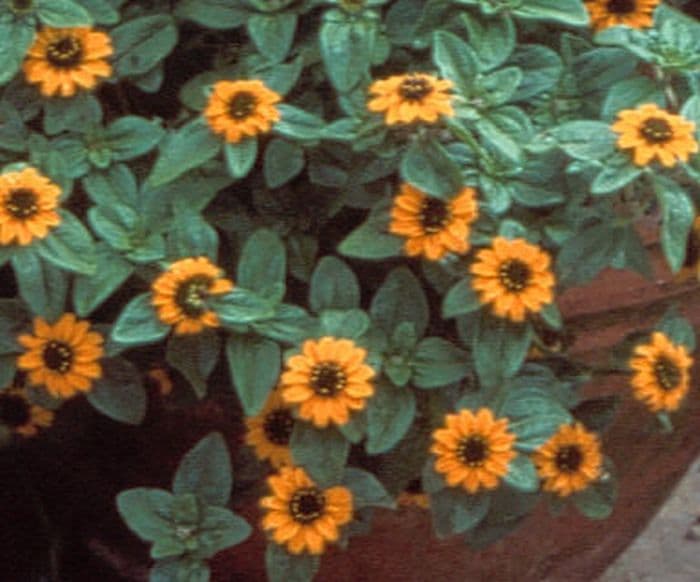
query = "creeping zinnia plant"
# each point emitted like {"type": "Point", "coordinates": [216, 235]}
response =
{"type": "Point", "coordinates": [328, 241]}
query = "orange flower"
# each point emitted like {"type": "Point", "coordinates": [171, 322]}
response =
{"type": "Point", "coordinates": [20, 415]}
{"type": "Point", "coordinates": [327, 380]}
{"type": "Point", "coordinates": [64, 60]}
{"type": "Point", "coordinates": [514, 277]}
{"type": "Point", "coordinates": [569, 461]}
{"type": "Point", "coordinates": [269, 432]}
{"type": "Point", "coordinates": [240, 109]}
{"type": "Point", "coordinates": [433, 227]}
{"type": "Point", "coordinates": [28, 203]}
{"type": "Point", "coordinates": [473, 450]}
{"type": "Point", "coordinates": [179, 294]}
{"type": "Point", "coordinates": [63, 357]}
{"type": "Point", "coordinates": [650, 132]}
{"type": "Point", "coordinates": [412, 97]}
{"type": "Point", "coordinates": [632, 13]}
{"type": "Point", "coordinates": [302, 516]}
{"type": "Point", "coordinates": [661, 377]}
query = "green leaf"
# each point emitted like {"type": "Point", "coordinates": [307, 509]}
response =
{"type": "Point", "coordinates": [255, 368]}
{"type": "Point", "coordinates": [541, 67]}
{"type": "Point", "coordinates": [241, 306]}
{"type": "Point", "coordinates": [533, 431]}
{"type": "Point", "coordinates": [240, 157]}
{"type": "Point", "coordinates": [140, 44]}
{"type": "Point", "coordinates": [138, 323]}
{"type": "Point", "coordinates": [400, 298]}
{"type": "Point", "coordinates": [15, 40]}
{"type": "Point", "coordinates": [273, 34]}
{"type": "Point", "coordinates": [182, 150]}
{"type": "Point", "coordinates": [585, 140]}
{"type": "Point", "coordinates": [371, 239]}
{"type": "Point", "coordinates": [192, 236]}
{"type": "Point", "coordinates": [678, 329]}
{"type": "Point", "coordinates": [289, 324]}
{"type": "Point", "coordinates": [298, 124]}
{"type": "Point", "coordinates": [281, 566]}
{"type": "Point", "coordinates": [62, 13]}
{"type": "Point", "coordinates": [102, 11]}
{"type": "Point", "coordinates": [119, 393]}
{"type": "Point", "coordinates": [437, 362]}
{"type": "Point", "coordinates": [570, 12]}
{"type": "Point", "coordinates": [220, 529]}
{"type": "Point", "coordinates": [493, 37]}
{"type": "Point", "coordinates": [390, 413]}
{"type": "Point", "coordinates": [629, 93]}
{"type": "Point", "coordinates": [216, 14]}
{"type": "Point", "coordinates": [347, 323]}
{"type": "Point", "coordinates": [41, 285]}
{"type": "Point", "coordinates": [79, 113]}
{"type": "Point", "coordinates": [194, 356]}
{"type": "Point", "coordinates": [263, 264]}
{"type": "Point", "coordinates": [206, 471]}
{"type": "Point", "coordinates": [333, 286]}
{"type": "Point", "coordinates": [69, 246]}
{"type": "Point", "coordinates": [427, 165]}
{"type": "Point", "coordinates": [132, 136]}
{"type": "Point", "coordinates": [283, 162]}
{"type": "Point", "coordinates": [146, 511]}
{"type": "Point", "coordinates": [366, 489]}
{"type": "Point", "coordinates": [598, 500]}
{"type": "Point", "coordinates": [455, 59]}
{"type": "Point", "coordinates": [460, 299]}
{"type": "Point", "coordinates": [346, 48]}
{"type": "Point", "coordinates": [617, 172]}
{"type": "Point", "coordinates": [431, 480]}
{"type": "Point", "coordinates": [500, 347]}
{"type": "Point", "coordinates": [522, 475]}
{"type": "Point", "coordinates": [677, 213]}
{"type": "Point", "coordinates": [322, 452]}
{"type": "Point", "coordinates": [455, 511]}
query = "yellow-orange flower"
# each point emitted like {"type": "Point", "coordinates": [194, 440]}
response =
{"type": "Point", "coordinates": [63, 61]}
{"type": "Point", "coordinates": [661, 373]}
{"type": "Point", "coordinates": [160, 380]}
{"type": "Point", "coordinates": [269, 432]}
{"type": "Point", "coordinates": [473, 450]}
{"type": "Point", "coordinates": [431, 226]}
{"type": "Point", "coordinates": [569, 461]}
{"type": "Point", "coordinates": [327, 380]}
{"type": "Point", "coordinates": [514, 277]}
{"type": "Point", "coordinates": [302, 516]}
{"type": "Point", "coordinates": [632, 13]}
{"type": "Point", "coordinates": [651, 132]}
{"type": "Point", "coordinates": [180, 294]}
{"type": "Point", "coordinates": [63, 357]}
{"type": "Point", "coordinates": [412, 97]}
{"type": "Point", "coordinates": [21, 416]}
{"type": "Point", "coordinates": [28, 203]}
{"type": "Point", "coordinates": [240, 109]}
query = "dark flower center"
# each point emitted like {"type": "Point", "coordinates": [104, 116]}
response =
{"type": "Point", "coordinates": [191, 294]}
{"type": "Point", "coordinates": [65, 52]}
{"type": "Point", "coordinates": [514, 275]}
{"type": "Point", "coordinates": [622, 6]}
{"type": "Point", "coordinates": [569, 458]}
{"type": "Point", "coordinates": [327, 378]}
{"type": "Point", "coordinates": [656, 130]}
{"type": "Point", "coordinates": [242, 105]}
{"type": "Point", "coordinates": [278, 426]}
{"type": "Point", "coordinates": [58, 356]}
{"type": "Point", "coordinates": [434, 214]}
{"type": "Point", "coordinates": [667, 373]}
{"type": "Point", "coordinates": [307, 504]}
{"type": "Point", "coordinates": [22, 203]}
{"type": "Point", "coordinates": [472, 451]}
{"type": "Point", "coordinates": [414, 88]}
{"type": "Point", "coordinates": [14, 410]}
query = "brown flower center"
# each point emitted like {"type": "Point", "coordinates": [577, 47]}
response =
{"type": "Point", "coordinates": [58, 356]}
{"type": "Point", "coordinates": [65, 53]}
{"type": "Point", "coordinates": [327, 378]}
{"type": "Point", "coordinates": [514, 275]}
{"type": "Point", "coordinates": [667, 373]}
{"type": "Point", "coordinates": [655, 130]}
{"type": "Point", "coordinates": [191, 295]}
{"type": "Point", "coordinates": [568, 458]}
{"type": "Point", "coordinates": [415, 88]}
{"type": "Point", "coordinates": [621, 6]}
{"type": "Point", "coordinates": [472, 451]}
{"type": "Point", "coordinates": [242, 105]}
{"type": "Point", "coordinates": [22, 203]}
{"type": "Point", "coordinates": [307, 504]}
{"type": "Point", "coordinates": [14, 410]}
{"type": "Point", "coordinates": [278, 426]}
{"type": "Point", "coordinates": [434, 215]}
